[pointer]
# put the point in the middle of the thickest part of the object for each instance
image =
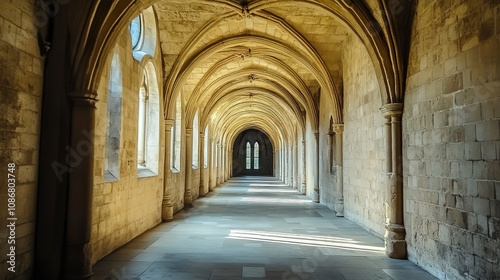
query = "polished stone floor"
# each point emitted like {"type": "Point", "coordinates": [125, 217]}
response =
{"type": "Point", "coordinates": [255, 228]}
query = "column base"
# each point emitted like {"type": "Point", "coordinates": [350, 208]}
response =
{"type": "Point", "coordinates": [316, 197]}
{"type": "Point", "coordinates": [202, 191]}
{"type": "Point", "coordinates": [339, 208]}
{"type": "Point", "coordinates": [395, 243]}
{"type": "Point", "coordinates": [188, 201]}
{"type": "Point", "coordinates": [77, 264]}
{"type": "Point", "coordinates": [167, 212]}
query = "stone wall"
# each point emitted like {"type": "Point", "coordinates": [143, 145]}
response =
{"type": "Point", "coordinates": [21, 82]}
{"type": "Point", "coordinates": [451, 139]}
{"type": "Point", "coordinates": [126, 206]}
{"type": "Point", "coordinates": [364, 146]}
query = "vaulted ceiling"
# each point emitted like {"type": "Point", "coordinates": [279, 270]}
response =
{"type": "Point", "coordinates": [251, 68]}
{"type": "Point", "coordinates": [263, 63]}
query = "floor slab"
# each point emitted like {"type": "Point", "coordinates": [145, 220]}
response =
{"type": "Point", "coordinates": [255, 228]}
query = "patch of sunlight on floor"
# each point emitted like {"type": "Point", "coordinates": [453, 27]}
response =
{"type": "Point", "coordinates": [276, 200]}
{"type": "Point", "coordinates": [304, 240]}
{"type": "Point", "coordinates": [268, 185]}
{"type": "Point", "coordinates": [255, 190]}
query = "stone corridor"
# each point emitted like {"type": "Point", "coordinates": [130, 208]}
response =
{"type": "Point", "coordinates": [256, 228]}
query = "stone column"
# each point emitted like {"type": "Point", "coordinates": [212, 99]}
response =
{"type": "Point", "coordinates": [77, 261]}
{"type": "Point", "coordinates": [201, 165]}
{"type": "Point", "coordinates": [316, 169]}
{"type": "Point", "coordinates": [211, 166]}
{"type": "Point", "coordinates": [167, 212]}
{"type": "Point", "coordinates": [338, 130]}
{"type": "Point", "coordinates": [395, 233]}
{"type": "Point", "coordinates": [224, 150]}
{"type": "Point", "coordinates": [217, 163]}
{"type": "Point", "coordinates": [188, 197]}
{"type": "Point", "coordinates": [294, 166]}
{"type": "Point", "coordinates": [304, 172]}
{"type": "Point", "coordinates": [291, 166]}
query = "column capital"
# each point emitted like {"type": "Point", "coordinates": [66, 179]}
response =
{"type": "Point", "coordinates": [392, 110]}
{"type": "Point", "coordinates": [83, 98]}
{"type": "Point", "coordinates": [316, 134]}
{"type": "Point", "coordinates": [337, 128]}
{"type": "Point", "coordinates": [169, 124]}
{"type": "Point", "coordinates": [189, 131]}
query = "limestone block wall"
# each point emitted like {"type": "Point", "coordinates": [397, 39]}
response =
{"type": "Point", "coordinates": [364, 146]}
{"type": "Point", "coordinates": [126, 206]}
{"type": "Point", "coordinates": [21, 82]}
{"type": "Point", "coordinates": [452, 139]}
{"type": "Point", "coordinates": [328, 187]}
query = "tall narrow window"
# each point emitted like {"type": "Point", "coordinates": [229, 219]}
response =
{"type": "Point", "coordinates": [113, 131]}
{"type": "Point", "coordinates": [148, 123]}
{"type": "Point", "coordinates": [142, 122]}
{"type": "Point", "coordinates": [205, 150]}
{"type": "Point", "coordinates": [256, 156]}
{"type": "Point", "coordinates": [249, 156]}
{"type": "Point", "coordinates": [196, 139]}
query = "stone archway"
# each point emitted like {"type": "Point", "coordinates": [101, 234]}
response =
{"type": "Point", "coordinates": [265, 154]}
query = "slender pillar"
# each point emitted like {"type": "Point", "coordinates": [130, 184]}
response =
{"type": "Point", "coordinates": [295, 167]}
{"type": "Point", "coordinates": [211, 166]}
{"type": "Point", "coordinates": [167, 212]}
{"type": "Point", "coordinates": [77, 261]}
{"type": "Point", "coordinates": [338, 129]}
{"type": "Point", "coordinates": [304, 171]}
{"type": "Point", "coordinates": [290, 166]}
{"type": "Point", "coordinates": [217, 164]}
{"type": "Point", "coordinates": [316, 169]}
{"type": "Point", "coordinates": [201, 165]}
{"type": "Point", "coordinates": [188, 196]}
{"type": "Point", "coordinates": [395, 233]}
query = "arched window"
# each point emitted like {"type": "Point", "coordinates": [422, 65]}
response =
{"type": "Point", "coordinates": [148, 119]}
{"type": "Point", "coordinates": [176, 147]}
{"type": "Point", "coordinates": [256, 156]}
{"type": "Point", "coordinates": [143, 34]}
{"type": "Point", "coordinates": [196, 140]}
{"type": "Point", "coordinates": [136, 31]}
{"type": "Point", "coordinates": [114, 114]}
{"type": "Point", "coordinates": [205, 150]}
{"type": "Point", "coordinates": [249, 156]}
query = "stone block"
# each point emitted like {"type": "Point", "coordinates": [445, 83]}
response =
{"type": "Point", "coordinates": [453, 83]}
{"type": "Point", "coordinates": [444, 234]}
{"type": "Point", "coordinates": [486, 248]}
{"type": "Point", "coordinates": [456, 218]}
{"type": "Point", "coordinates": [488, 150]}
{"type": "Point", "coordinates": [494, 227]}
{"type": "Point", "coordinates": [486, 189]}
{"type": "Point", "coordinates": [497, 107]}
{"type": "Point", "coordinates": [488, 50]}
{"type": "Point", "coordinates": [470, 133]}
{"type": "Point", "coordinates": [495, 208]}
{"type": "Point", "coordinates": [481, 206]}
{"type": "Point", "coordinates": [473, 151]}
{"type": "Point", "coordinates": [497, 190]}
{"type": "Point", "coordinates": [455, 151]}
{"type": "Point", "coordinates": [482, 224]}
{"type": "Point", "coordinates": [488, 110]}
{"type": "Point", "coordinates": [489, 130]}
{"type": "Point", "coordinates": [462, 239]}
